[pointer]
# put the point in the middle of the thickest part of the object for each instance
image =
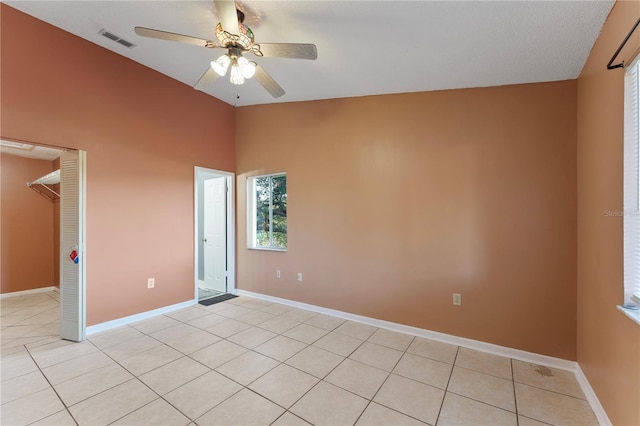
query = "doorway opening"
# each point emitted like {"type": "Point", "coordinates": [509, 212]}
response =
{"type": "Point", "coordinates": [58, 175]}
{"type": "Point", "coordinates": [214, 233]}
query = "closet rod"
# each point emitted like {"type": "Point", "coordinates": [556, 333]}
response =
{"type": "Point", "coordinates": [615, 55]}
{"type": "Point", "coordinates": [30, 185]}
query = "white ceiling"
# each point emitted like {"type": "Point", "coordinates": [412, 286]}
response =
{"type": "Point", "coordinates": [364, 47]}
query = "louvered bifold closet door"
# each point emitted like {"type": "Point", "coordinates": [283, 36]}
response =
{"type": "Point", "coordinates": [72, 301]}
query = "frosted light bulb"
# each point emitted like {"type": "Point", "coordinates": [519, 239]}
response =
{"type": "Point", "coordinates": [249, 69]}
{"type": "Point", "coordinates": [236, 75]}
{"type": "Point", "coordinates": [221, 65]}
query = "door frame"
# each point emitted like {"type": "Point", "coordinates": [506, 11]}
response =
{"type": "Point", "coordinates": [81, 307]}
{"type": "Point", "coordinates": [202, 173]}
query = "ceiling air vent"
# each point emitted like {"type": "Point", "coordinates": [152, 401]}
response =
{"type": "Point", "coordinates": [117, 39]}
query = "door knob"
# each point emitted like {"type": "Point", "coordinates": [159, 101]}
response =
{"type": "Point", "coordinates": [204, 239]}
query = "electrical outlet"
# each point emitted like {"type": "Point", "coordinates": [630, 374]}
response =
{"type": "Point", "coordinates": [151, 282]}
{"type": "Point", "coordinates": [457, 299]}
{"type": "Point", "coordinates": [299, 276]}
{"type": "Point", "coordinates": [277, 273]}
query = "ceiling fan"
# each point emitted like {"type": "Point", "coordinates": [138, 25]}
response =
{"type": "Point", "coordinates": [233, 35]}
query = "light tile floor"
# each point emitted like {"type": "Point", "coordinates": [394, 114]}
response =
{"type": "Point", "coordinates": [250, 362]}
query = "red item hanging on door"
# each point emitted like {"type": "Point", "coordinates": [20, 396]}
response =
{"type": "Point", "coordinates": [74, 256]}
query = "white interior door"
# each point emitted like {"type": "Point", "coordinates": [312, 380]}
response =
{"type": "Point", "coordinates": [72, 232]}
{"type": "Point", "coordinates": [215, 234]}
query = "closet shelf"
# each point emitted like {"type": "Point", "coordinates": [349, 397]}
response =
{"type": "Point", "coordinates": [44, 182]}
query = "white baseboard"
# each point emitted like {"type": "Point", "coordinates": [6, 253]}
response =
{"type": "Point", "coordinates": [25, 292]}
{"type": "Point", "coordinates": [108, 325]}
{"type": "Point", "coordinates": [597, 408]}
{"type": "Point", "coordinates": [521, 355]}
{"type": "Point", "coordinates": [530, 357]}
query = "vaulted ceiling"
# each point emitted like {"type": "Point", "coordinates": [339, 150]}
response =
{"type": "Point", "coordinates": [364, 47]}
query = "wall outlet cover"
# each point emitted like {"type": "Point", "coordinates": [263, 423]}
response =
{"type": "Point", "coordinates": [457, 299]}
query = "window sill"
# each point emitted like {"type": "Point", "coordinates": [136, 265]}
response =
{"type": "Point", "coordinates": [634, 315]}
{"type": "Point", "coordinates": [268, 249]}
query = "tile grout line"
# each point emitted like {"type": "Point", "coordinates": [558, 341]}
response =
{"type": "Point", "coordinates": [135, 376]}
{"type": "Point", "coordinates": [385, 380]}
{"type": "Point", "coordinates": [97, 369]}
{"type": "Point", "coordinates": [150, 402]}
{"type": "Point", "coordinates": [515, 397]}
{"type": "Point", "coordinates": [52, 388]}
{"type": "Point", "coordinates": [308, 345]}
{"type": "Point", "coordinates": [214, 369]}
{"type": "Point", "coordinates": [389, 374]}
{"type": "Point", "coordinates": [472, 398]}
{"type": "Point", "coordinates": [406, 351]}
{"type": "Point", "coordinates": [163, 365]}
{"type": "Point", "coordinates": [252, 350]}
{"type": "Point", "coordinates": [553, 391]}
{"type": "Point", "coordinates": [320, 379]}
{"type": "Point", "coordinates": [252, 310]}
{"type": "Point", "coordinates": [287, 411]}
{"type": "Point", "coordinates": [485, 373]}
{"type": "Point", "coordinates": [25, 319]}
{"type": "Point", "coordinates": [446, 389]}
{"type": "Point", "coordinates": [24, 345]}
{"type": "Point", "coordinates": [323, 377]}
{"type": "Point", "coordinates": [283, 362]}
{"type": "Point", "coordinates": [410, 379]}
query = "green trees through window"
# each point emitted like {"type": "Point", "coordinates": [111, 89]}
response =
{"type": "Point", "coordinates": [268, 197]}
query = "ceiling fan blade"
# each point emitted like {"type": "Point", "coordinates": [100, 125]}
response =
{"type": "Point", "coordinates": [288, 50]}
{"type": "Point", "coordinates": [207, 79]}
{"type": "Point", "coordinates": [165, 35]}
{"type": "Point", "coordinates": [226, 10]}
{"type": "Point", "coordinates": [268, 82]}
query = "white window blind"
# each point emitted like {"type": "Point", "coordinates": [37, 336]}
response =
{"type": "Point", "coordinates": [632, 184]}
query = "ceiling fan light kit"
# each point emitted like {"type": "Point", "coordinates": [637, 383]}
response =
{"type": "Point", "coordinates": [237, 38]}
{"type": "Point", "coordinates": [241, 67]}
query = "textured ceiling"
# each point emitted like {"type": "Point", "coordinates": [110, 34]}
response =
{"type": "Point", "coordinates": [364, 47]}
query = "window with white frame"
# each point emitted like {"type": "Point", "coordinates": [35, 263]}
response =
{"type": "Point", "coordinates": [267, 211]}
{"type": "Point", "coordinates": [632, 183]}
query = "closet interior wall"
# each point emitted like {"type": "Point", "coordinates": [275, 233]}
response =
{"type": "Point", "coordinates": [29, 225]}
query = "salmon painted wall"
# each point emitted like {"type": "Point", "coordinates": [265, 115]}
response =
{"type": "Point", "coordinates": [608, 341]}
{"type": "Point", "coordinates": [26, 225]}
{"type": "Point", "coordinates": [396, 202]}
{"type": "Point", "coordinates": [143, 133]}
